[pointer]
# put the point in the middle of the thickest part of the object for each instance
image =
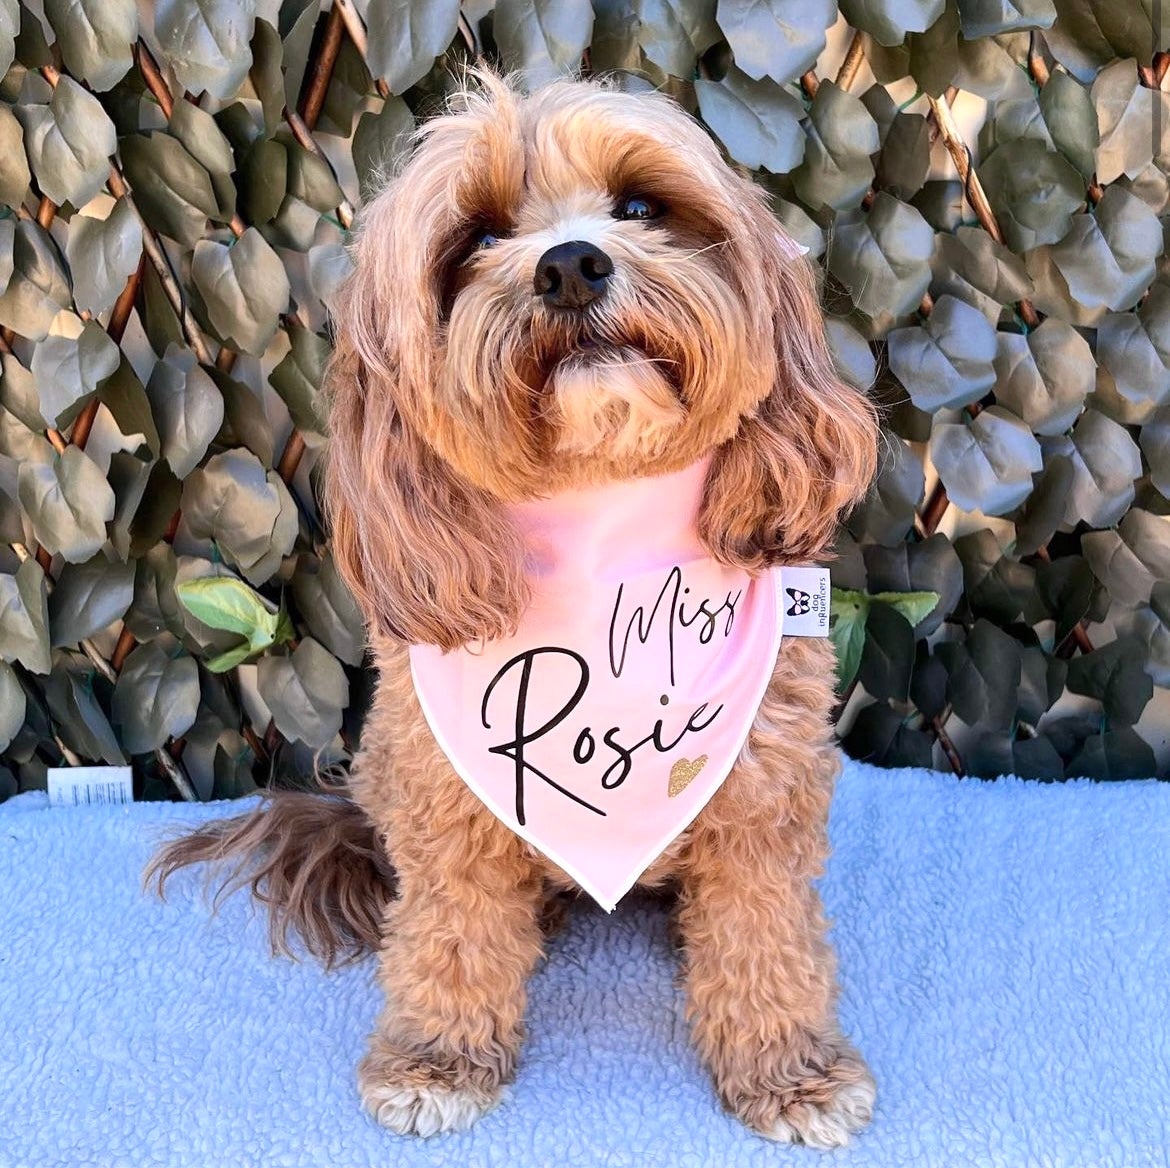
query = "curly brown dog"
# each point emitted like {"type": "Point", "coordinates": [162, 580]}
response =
{"type": "Point", "coordinates": [472, 373]}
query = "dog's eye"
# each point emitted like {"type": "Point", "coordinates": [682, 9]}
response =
{"type": "Point", "coordinates": [637, 207]}
{"type": "Point", "coordinates": [486, 238]}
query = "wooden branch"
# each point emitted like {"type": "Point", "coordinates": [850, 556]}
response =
{"type": "Point", "coordinates": [944, 740]}
{"type": "Point", "coordinates": [810, 83]}
{"type": "Point", "coordinates": [356, 27]}
{"type": "Point", "coordinates": [291, 458]}
{"type": "Point", "coordinates": [316, 84]}
{"type": "Point", "coordinates": [851, 65]}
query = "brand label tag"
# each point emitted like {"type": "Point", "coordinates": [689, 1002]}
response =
{"type": "Point", "coordinates": [804, 595]}
{"type": "Point", "coordinates": [74, 786]}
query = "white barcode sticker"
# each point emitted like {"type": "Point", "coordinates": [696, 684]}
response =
{"type": "Point", "coordinates": [75, 786]}
{"type": "Point", "coordinates": [804, 593]}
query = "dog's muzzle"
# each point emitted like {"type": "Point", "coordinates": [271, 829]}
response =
{"type": "Point", "coordinates": [572, 275]}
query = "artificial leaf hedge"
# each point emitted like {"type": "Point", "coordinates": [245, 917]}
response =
{"type": "Point", "coordinates": [177, 186]}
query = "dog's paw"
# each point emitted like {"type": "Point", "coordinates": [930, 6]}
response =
{"type": "Point", "coordinates": [821, 1109]}
{"type": "Point", "coordinates": [413, 1097]}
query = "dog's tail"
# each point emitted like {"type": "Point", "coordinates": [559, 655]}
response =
{"type": "Point", "coordinates": [314, 860]}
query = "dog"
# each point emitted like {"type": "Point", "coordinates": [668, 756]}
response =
{"type": "Point", "coordinates": [562, 300]}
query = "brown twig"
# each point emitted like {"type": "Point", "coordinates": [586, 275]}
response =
{"type": "Point", "coordinates": [356, 27]}
{"type": "Point", "coordinates": [944, 740]}
{"type": "Point", "coordinates": [851, 65]}
{"type": "Point", "coordinates": [316, 84]}
{"type": "Point", "coordinates": [810, 83]}
{"type": "Point", "coordinates": [294, 451]}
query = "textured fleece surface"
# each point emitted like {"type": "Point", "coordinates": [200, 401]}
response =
{"type": "Point", "coordinates": [1005, 962]}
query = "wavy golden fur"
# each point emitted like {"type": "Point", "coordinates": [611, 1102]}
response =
{"type": "Point", "coordinates": [456, 390]}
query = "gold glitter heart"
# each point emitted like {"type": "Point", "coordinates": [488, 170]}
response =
{"type": "Point", "coordinates": [682, 772]}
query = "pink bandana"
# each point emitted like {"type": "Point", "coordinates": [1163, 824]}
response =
{"type": "Point", "coordinates": [599, 731]}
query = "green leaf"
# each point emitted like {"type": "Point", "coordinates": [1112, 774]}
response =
{"type": "Point", "coordinates": [12, 705]}
{"type": "Point", "coordinates": [904, 161]}
{"type": "Point", "coordinates": [851, 352]}
{"type": "Point", "coordinates": [837, 169]}
{"type": "Point", "coordinates": [928, 566]}
{"type": "Point", "coordinates": [69, 143]}
{"type": "Point", "coordinates": [68, 370]}
{"type": "Point", "coordinates": [1044, 377]}
{"type": "Point", "coordinates": [38, 288]}
{"type": "Point", "coordinates": [198, 133]}
{"type": "Point", "coordinates": [328, 609]}
{"type": "Point", "coordinates": [1114, 756]}
{"type": "Point", "coordinates": [983, 676]}
{"type": "Point", "coordinates": [95, 38]}
{"type": "Point", "coordinates": [225, 602]}
{"type": "Point", "coordinates": [1133, 559]}
{"type": "Point", "coordinates": [68, 503]}
{"type": "Point", "coordinates": [780, 39]}
{"type": "Point", "coordinates": [103, 254]}
{"type": "Point", "coordinates": [887, 512]}
{"type": "Point", "coordinates": [1134, 348]}
{"type": "Point", "coordinates": [381, 142]}
{"type": "Point", "coordinates": [971, 266]}
{"type": "Point", "coordinates": [307, 693]}
{"type": "Point", "coordinates": [757, 122]}
{"type": "Point", "coordinates": [1106, 463]}
{"type": "Point", "coordinates": [1151, 624]}
{"type": "Point", "coordinates": [1066, 586]}
{"type": "Point", "coordinates": [9, 25]}
{"type": "Point", "coordinates": [156, 697]}
{"type": "Point", "coordinates": [848, 611]}
{"type": "Point", "coordinates": [1044, 510]}
{"type": "Point", "coordinates": [984, 18]}
{"type": "Point", "coordinates": [207, 42]}
{"type": "Point", "coordinates": [247, 512]}
{"type": "Point", "coordinates": [887, 658]}
{"type": "Point", "coordinates": [187, 408]}
{"type": "Point", "coordinates": [888, 21]}
{"type": "Point", "coordinates": [15, 175]}
{"type": "Point", "coordinates": [997, 586]}
{"type": "Point", "coordinates": [986, 464]}
{"type": "Point", "coordinates": [87, 598]}
{"type": "Point", "coordinates": [24, 618]}
{"type": "Point", "coordinates": [124, 396]}
{"type": "Point", "coordinates": [1107, 258]}
{"type": "Point", "coordinates": [80, 720]}
{"type": "Point", "coordinates": [948, 361]}
{"type": "Point", "coordinates": [1033, 193]}
{"type": "Point", "coordinates": [1116, 677]}
{"type": "Point", "coordinates": [879, 736]}
{"type": "Point", "coordinates": [172, 190]}
{"type": "Point", "coordinates": [1155, 444]}
{"type": "Point", "coordinates": [1126, 113]}
{"type": "Point", "coordinates": [298, 378]}
{"type": "Point", "coordinates": [244, 287]}
{"type": "Point", "coordinates": [914, 606]}
{"type": "Point", "coordinates": [266, 74]}
{"type": "Point", "coordinates": [675, 33]}
{"type": "Point", "coordinates": [883, 256]}
{"type": "Point", "coordinates": [542, 39]}
{"type": "Point", "coordinates": [405, 38]}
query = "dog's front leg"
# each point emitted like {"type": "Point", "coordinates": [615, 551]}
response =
{"type": "Point", "coordinates": [460, 942]}
{"type": "Point", "coordinates": [760, 974]}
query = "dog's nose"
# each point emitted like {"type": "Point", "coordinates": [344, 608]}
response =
{"type": "Point", "coordinates": [572, 275]}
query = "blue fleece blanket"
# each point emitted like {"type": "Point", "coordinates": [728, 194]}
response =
{"type": "Point", "coordinates": [1005, 962]}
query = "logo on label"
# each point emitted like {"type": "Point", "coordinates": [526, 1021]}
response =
{"type": "Point", "coordinates": [800, 602]}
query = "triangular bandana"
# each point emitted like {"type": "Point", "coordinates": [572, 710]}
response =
{"type": "Point", "coordinates": [600, 730]}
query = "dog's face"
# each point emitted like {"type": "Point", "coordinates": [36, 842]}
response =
{"type": "Point", "coordinates": [578, 287]}
{"type": "Point", "coordinates": [565, 288]}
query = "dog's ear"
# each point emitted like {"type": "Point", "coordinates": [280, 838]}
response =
{"type": "Point", "coordinates": [430, 558]}
{"type": "Point", "coordinates": [775, 490]}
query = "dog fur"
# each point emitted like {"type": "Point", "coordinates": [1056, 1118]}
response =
{"type": "Point", "coordinates": [455, 390]}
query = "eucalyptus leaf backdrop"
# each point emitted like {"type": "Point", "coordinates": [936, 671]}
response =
{"type": "Point", "coordinates": [985, 183]}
